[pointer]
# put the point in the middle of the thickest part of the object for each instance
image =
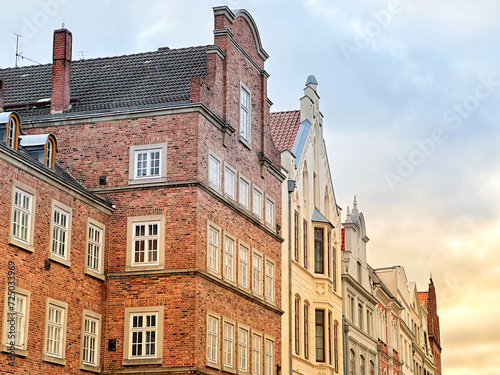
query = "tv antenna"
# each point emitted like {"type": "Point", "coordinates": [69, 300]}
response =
{"type": "Point", "coordinates": [81, 53]}
{"type": "Point", "coordinates": [20, 54]}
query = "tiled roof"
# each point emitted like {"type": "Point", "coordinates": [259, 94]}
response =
{"type": "Point", "coordinates": [284, 128]}
{"type": "Point", "coordinates": [106, 84]}
{"type": "Point", "coordinates": [58, 173]}
{"type": "Point", "coordinates": [423, 296]}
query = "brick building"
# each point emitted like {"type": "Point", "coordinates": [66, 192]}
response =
{"type": "Point", "coordinates": [173, 165]}
{"type": "Point", "coordinates": [429, 299]}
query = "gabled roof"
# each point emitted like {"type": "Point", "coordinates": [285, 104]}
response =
{"type": "Point", "coordinates": [107, 84]}
{"type": "Point", "coordinates": [284, 128]}
{"type": "Point", "coordinates": [319, 218]}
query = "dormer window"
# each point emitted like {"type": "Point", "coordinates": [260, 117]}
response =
{"type": "Point", "coordinates": [42, 147]}
{"type": "Point", "coordinates": [10, 129]}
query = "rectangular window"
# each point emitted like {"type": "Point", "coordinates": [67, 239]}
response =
{"type": "Point", "coordinates": [318, 251]}
{"type": "Point", "coordinates": [256, 354]}
{"type": "Point", "coordinates": [16, 323]}
{"type": "Point", "coordinates": [257, 273]}
{"type": "Point", "coordinates": [306, 331]}
{"type": "Point", "coordinates": [269, 212]}
{"type": "Point", "coordinates": [229, 258]}
{"type": "Point", "coordinates": [228, 345]}
{"type": "Point", "coordinates": [145, 243]}
{"type": "Point", "coordinates": [269, 281]}
{"type": "Point", "coordinates": [320, 335]}
{"type": "Point", "coordinates": [305, 242]}
{"type": "Point", "coordinates": [297, 326]}
{"type": "Point", "coordinates": [147, 163]}
{"type": "Point", "coordinates": [296, 235]}
{"type": "Point", "coordinates": [144, 333]}
{"type": "Point", "coordinates": [94, 264]}
{"type": "Point", "coordinates": [230, 182]}
{"type": "Point", "coordinates": [257, 203]}
{"type": "Point", "coordinates": [213, 249]}
{"type": "Point", "coordinates": [328, 235]}
{"type": "Point", "coordinates": [143, 342]}
{"type": "Point", "coordinates": [213, 339]}
{"type": "Point", "coordinates": [91, 340]}
{"type": "Point", "coordinates": [60, 233]}
{"type": "Point", "coordinates": [55, 331]}
{"type": "Point", "coordinates": [334, 275]}
{"type": "Point", "coordinates": [360, 316]}
{"type": "Point", "coordinates": [244, 114]}
{"type": "Point", "coordinates": [214, 171]}
{"type": "Point", "coordinates": [269, 356]}
{"type": "Point", "coordinates": [243, 266]}
{"type": "Point", "coordinates": [329, 337]}
{"type": "Point", "coordinates": [244, 192]}
{"type": "Point", "coordinates": [243, 349]}
{"type": "Point", "coordinates": [336, 345]}
{"type": "Point", "coordinates": [21, 223]}
{"type": "Point", "coordinates": [368, 322]}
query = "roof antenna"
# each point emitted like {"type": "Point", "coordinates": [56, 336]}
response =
{"type": "Point", "coordinates": [62, 26]}
{"type": "Point", "coordinates": [20, 54]}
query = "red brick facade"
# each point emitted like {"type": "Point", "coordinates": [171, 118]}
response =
{"type": "Point", "coordinates": [183, 287]}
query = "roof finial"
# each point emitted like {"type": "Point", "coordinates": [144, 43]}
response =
{"type": "Point", "coordinates": [348, 215]}
{"type": "Point", "coordinates": [355, 205]}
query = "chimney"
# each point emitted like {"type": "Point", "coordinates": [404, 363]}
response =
{"type": "Point", "coordinates": [61, 70]}
{"type": "Point", "coordinates": [2, 95]}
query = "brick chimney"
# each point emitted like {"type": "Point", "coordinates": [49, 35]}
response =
{"type": "Point", "coordinates": [61, 70]}
{"type": "Point", "coordinates": [2, 95]}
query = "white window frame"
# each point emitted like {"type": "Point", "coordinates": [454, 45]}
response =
{"type": "Point", "coordinates": [244, 265]}
{"type": "Point", "coordinates": [257, 272]}
{"type": "Point", "coordinates": [28, 242]}
{"type": "Point", "coordinates": [49, 354]}
{"type": "Point", "coordinates": [213, 340]}
{"type": "Point", "coordinates": [229, 258]}
{"type": "Point", "coordinates": [268, 355]}
{"type": "Point", "coordinates": [256, 367]}
{"type": "Point", "coordinates": [245, 120]}
{"type": "Point", "coordinates": [244, 339]}
{"type": "Point", "coordinates": [10, 303]}
{"type": "Point", "coordinates": [244, 199]}
{"type": "Point", "coordinates": [89, 337]}
{"type": "Point", "coordinates": [228, 344]}
{"type": "Point", "coordinates": [132, 222]}
{"type": "Point", "coordinates": [94, 249]}
{"type": "Point", "coordinates": [269, 280]}
{"type": "Point", "coordinates": [130, 312]}
{"type": "Point", "coordinates": [257, 197]}
{"type": "Point", "coordinates": [65, 230]}
{"type": "Point", "coordinates": [270, 212]}
{"type": "Point", "coordinates": [214, 174]}
{"type": "Point", "coordinates": [214, 249]}
{"type": "Point", "coordinates": [230, 187]}
{"type": "Point", "coordinates": [161, 177]}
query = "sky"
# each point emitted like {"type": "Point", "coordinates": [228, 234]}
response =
{"type": "Point", "coordinates": [409, 91]}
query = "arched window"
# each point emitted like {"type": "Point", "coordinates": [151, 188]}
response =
{"type": "Point", "coordinates": [336, 345]}
{"type": "Point", "coordinates": [372, 368]}
{"type": "Point", "coordinates": [352, 363]}
{"type": "Point", "coordinates": [306, 330]}
{"type": "Point", "coordinates": [362, 366]}
{"type": "Point", "coordinates": [297, 325]}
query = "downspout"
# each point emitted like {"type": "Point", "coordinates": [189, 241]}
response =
{"type": "Point", "coordinates": [291, 188]}
{"type": "Point", "coordinates": [379, 348]}
{"type": "Point", "coordinates": [345, 330]}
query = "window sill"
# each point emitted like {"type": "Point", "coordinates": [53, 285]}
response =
{"type": "Point", "coordinates": [213, 365]}
{"type": "Point", "coordinates": [146, 181]}
{"type": "Point", "coordinates": [90, 368]}
{"type": "Point", "coordinates": [18, 352]}
{"type": "Point", "coordinates": [94, 274]}
{"type": "Point", "coordinates": [58, 259]}
{"type": "Point", "coordinates": [57, 361]}
{"type": "Point", "coordinates": [246, 142]}
{"type": "Point", "coordinates": [153, 267]}
{"type": "Point", "coordinates": [22, 245]}
{"type": "Point", "coordinates": [142, 361]}
{"type": "Point", "coordinates": [229, 369]}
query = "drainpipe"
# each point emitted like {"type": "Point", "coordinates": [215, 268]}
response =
{"type": "Point", "coordinates": [291, 188]}
{"type": "Point", "coordinates": [379, 348]}
{"type": "Point", "coordinates": [345, 331]}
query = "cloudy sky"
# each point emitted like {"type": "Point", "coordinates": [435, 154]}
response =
{"type": "Point", "coordinates": [409, 90]}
